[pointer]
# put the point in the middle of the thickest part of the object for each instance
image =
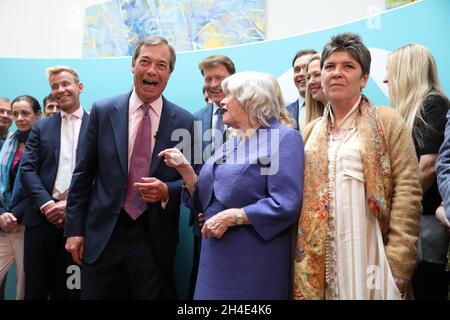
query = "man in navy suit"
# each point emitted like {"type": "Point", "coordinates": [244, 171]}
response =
{"type": "Point", "coordinates": [48, 161]}
{"type": "Point", "coordinates": [297, 108]}
{"type": "Point", "coordinates": [210, 128]}
{"type": "Point", "coordinates": [5, 118]}
{"type": "Point", "coordinates": [127, 250]}
{"type": "Point", "coordinates": [50, 106]}
{"type": "Point", "coordinates": [214, 70]}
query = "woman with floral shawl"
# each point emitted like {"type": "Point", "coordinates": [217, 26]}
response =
{"type": "Point", "coordinates": [360, 217]}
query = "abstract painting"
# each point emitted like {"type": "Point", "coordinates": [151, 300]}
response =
{"type": "Point", "coordinates": [113, 28]}
{"type": "Point", "coordinates": [390, 4]}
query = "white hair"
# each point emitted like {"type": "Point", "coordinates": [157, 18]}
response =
{"type": "Point", "coordinates": [255, 92]}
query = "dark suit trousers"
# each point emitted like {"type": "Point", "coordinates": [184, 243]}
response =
{"type": "Point", "coordinates": [126, 269]}
{"type": "Point", "coordinates": [46, 264]}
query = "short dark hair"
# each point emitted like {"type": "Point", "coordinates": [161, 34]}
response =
{"type": "Point", "coordinates": [31, 100]}
{"type": "Point", "coordinates": [155, 41]}
{"type": "Point", "coordinates": [46, 98]}
{"type": "Point", "coordinates": [215, 60]}
{"type": "Point", "coordinates": [302, 53]}
{"type": "Point", "coordinates": [351, 43]}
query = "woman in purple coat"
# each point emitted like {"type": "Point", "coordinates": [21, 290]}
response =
{"type": "Point", "coordinates": [250, 191]}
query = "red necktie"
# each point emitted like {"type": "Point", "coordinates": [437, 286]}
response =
{"type": "Point", "coordinates": [141, 159]}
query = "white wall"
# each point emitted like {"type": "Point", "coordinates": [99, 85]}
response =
{"type": "Point", "coordinates": [54, 28]}
{"type": "Point", "coordinates": [288, 17]}
{"type": "Point", "coordinates": [42, 28]}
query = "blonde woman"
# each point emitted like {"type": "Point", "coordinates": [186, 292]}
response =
{"type": "Point", "coordinates": [285, 117]}
{"type": "Point", "coordinates": [315, 99]}
{"type": "Point", "coordinates": [415, 91]}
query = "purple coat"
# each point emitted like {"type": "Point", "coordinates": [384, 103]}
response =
{"type": "Point", "coordinates": [263, 175]}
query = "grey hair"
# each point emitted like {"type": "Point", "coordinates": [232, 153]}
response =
{"type": "Point", "coordinates": [255, 92]}
{"type": "Point", "coordinates": [351, 43]}
{"type": "Point", "coordinates": [155, 41]}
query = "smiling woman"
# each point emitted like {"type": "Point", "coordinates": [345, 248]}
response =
{"type": "Point", "coordinates": [248, 210]}
{"type": "Point", "coordinates": [315, 99]}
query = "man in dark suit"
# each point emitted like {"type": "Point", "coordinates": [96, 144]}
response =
{"type": "Point", "coordinates": [297, 108]}
{"type": "Point", "coordinates": [5, 118]}
{"type": "Point", "coordinates": [124, 202]}
{"type": "Point", "coordinates": [210, 129]}
{"type": "Point", "coordinates": [48, 161]}
{"type": "Point", "coordinates": [5, 123]}
{"type": "Point", "coordinates": [50, 106]}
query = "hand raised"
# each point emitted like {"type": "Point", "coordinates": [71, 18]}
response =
{"type": "Point", "coordinates": [174, 158]}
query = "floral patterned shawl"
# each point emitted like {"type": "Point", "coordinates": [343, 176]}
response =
{"type": "Point", "coordinates": [309, 281]}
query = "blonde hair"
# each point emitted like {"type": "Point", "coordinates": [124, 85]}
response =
{"type": "Point", "coordinates": [313, 108]}
{"type": "Point", "coordinates": [412, 77]}
{"type": "Point", "coordinates": [51, 71]}
{"type": "Point", "coordinates": [284, 115]}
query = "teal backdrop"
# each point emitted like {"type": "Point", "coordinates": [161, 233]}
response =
{"type": "Point", "coordinates": [426, 22]}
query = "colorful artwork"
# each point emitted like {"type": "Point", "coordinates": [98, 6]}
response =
{"type": "Point", "coordinates": [397, 3]}
{"type": "Point", "coordinates": [113, 28]}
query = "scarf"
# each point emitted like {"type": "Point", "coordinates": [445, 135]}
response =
{"type": "Point", "coordinates": [7, 153]}
{"type": "Point", "coordinates": [310, 259]}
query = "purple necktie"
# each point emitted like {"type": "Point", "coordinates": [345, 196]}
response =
{"type": "Point", "coordinates": [141, 159]}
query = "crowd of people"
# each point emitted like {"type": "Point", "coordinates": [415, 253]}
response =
{"type": "Point", "coordinates": [329, 197]}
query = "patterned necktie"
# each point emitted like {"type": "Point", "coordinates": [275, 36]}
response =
{"type": "Point", "coordinates": [65, 165]}
{"type": "Point", "coordinates": [140, 162]}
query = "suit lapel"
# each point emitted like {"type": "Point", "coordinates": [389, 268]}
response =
{"type": "Point", "coordinates": [119, 125]}
{"type": "Point", "coordinates": [207, 118]}
{"type": "Point", "coordinates": [296, 112]}
{"type": "Point", "coordinates": [166, 126]}
{"type": "Point", "coordinates": [83, 128]}
{"type": "Point", "coordinates": [55, 126]}
{"type": "Point", "coordinates": [207, 124]}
